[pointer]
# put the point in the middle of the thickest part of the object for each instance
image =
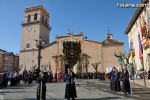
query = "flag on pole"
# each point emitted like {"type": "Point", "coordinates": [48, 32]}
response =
{"type": "Point", "coordinates": [120, 60]}
{"type": "Point", "coordinates": [144, 31]}
{"type": "Point", "coordinates": [141, 58]}
{"type": "Point", "coordinates": [143, 28]}
{"type": "Point", "coordinates": [131, 66]}
{"type": "Point", "coordinates": [140, 50]}
{"type": "Point", "coordinates": [148, 22]}
{"type": "Point", "coordinates": [131, 57]}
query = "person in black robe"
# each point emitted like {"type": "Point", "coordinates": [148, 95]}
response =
{"type": "Point", "coordinates": [117, 86]}
{"type": "Point", "coordinates": [126, 82]}
{"type": "Point", "coordinates": [100, 75]}
{"type": "Point", "coordinates": [25, 76]}
{"type": "Point", "coordinates": [5, 79]}
{"type": "Point", "coordinates": [30, 77]}
{"type": "Point", "coordinates": [41, 90]}
{"type": "Point", "coordinates": [70, 91]}
{"type": "Point", "coordinates": [1, 80]}
{"type": "Point", "coordinates": [103, 75]}
{"type": "Point", "coordinates": [121, 83]}
{"type": "Point", "coordinates": [148, 74]}
{"type": "Point", "coordinates": [111, 77]}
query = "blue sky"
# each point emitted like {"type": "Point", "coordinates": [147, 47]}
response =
{"type": "Point", "coordinates": [92, 17]}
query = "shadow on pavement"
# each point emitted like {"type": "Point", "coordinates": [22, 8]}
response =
{"type": "Point", "coordinates": [106, 98]}
{"type": "Point", "coordinates": [5, 92]}
{"type": "Point", "coordinates": [22, 86]}
{"type": "Point", "coordinates": [140, 85]}
{"type": "Point", "coordinates": [140, 93]}
{"type": "Point", "coordinates": [24, 99]}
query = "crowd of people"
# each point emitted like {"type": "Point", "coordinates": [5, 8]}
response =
{"type": "Point", "coordinates": [119, 80]}
{"type": "Point", "coordinates": [140, 74]}
{"type": "Point", "coordinates": [91, 75]}
{"type": "Point", "coordinates": [11, 78]}
{"type": "Point", "coordinates": [30, 76]}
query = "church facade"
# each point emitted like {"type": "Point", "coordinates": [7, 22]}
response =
{"type": "Point", "coordinates": [36, 26]}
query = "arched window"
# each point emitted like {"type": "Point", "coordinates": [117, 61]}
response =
{"type": "Point", "coordinates": [29, 18]}
{"type": "Point", "coordinates": [35, 16]}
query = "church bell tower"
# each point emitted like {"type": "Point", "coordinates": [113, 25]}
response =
{"type": "Point", "coordinates": [35, 26]}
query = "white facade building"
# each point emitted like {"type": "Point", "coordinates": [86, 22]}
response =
{"type": "Point", "coordinates": [140, 26]}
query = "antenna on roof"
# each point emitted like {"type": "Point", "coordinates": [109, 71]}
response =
{"type": "Point", "coordinates": [108, 29]}
{"type": "Point", "coordinates": [69, 30]}
{"type": "Point", "coordinates": [42, 2]}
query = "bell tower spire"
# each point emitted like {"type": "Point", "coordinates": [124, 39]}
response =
{"type": "Point", "coordinates": [35, 26]}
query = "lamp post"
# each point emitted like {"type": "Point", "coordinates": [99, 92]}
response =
{"type": "Point", "coordinates": [39, 44]}
{"type": "Point", "coordinates": [41, 89]}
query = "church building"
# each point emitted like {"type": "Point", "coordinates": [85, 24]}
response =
{"type": "Point", "coordinates": [93, 53]}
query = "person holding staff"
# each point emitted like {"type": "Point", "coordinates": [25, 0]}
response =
{"type": "Point", "coordinates": [70, 91]}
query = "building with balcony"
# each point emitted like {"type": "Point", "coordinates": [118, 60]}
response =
{"type": "Point", "coordinates": [138, 32]}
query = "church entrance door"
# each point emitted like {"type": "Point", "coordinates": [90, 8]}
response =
{"type": "Point", "coordinates": [72, 51]}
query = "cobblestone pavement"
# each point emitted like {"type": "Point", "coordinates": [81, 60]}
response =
{"type": "Point", "coordinates": [86, 90]}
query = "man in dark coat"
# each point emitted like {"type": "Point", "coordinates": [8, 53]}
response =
{"type": "Point", "coordinates": [1, 80]}
{"type": "Point", "coordinates": [117, 86]}
{"type": "Point", "coordinates": [25, 76]}
{"type": "Point", "coordinates": [111, 77]}
{"type": "Point", "coordinates": [41, 90]}
{"type": "Point", "coordinates": [5, 79]}
{"type": "Point", "coordinates": [126, 82]}
{"type": "Point", "coordinates": [103, 75]}
{"type": "Point", "coordinates": [149, 74]}
{"type": "Point", "coordinates": [70, 91]}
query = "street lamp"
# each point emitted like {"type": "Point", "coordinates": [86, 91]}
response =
{"type": "Point", "coordinates": [41, 89]}
{"type": "Point", "coordinates": [39, 44]}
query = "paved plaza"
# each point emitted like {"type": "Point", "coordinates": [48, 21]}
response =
{"type": "Point", "coordinates": [86, 90]}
